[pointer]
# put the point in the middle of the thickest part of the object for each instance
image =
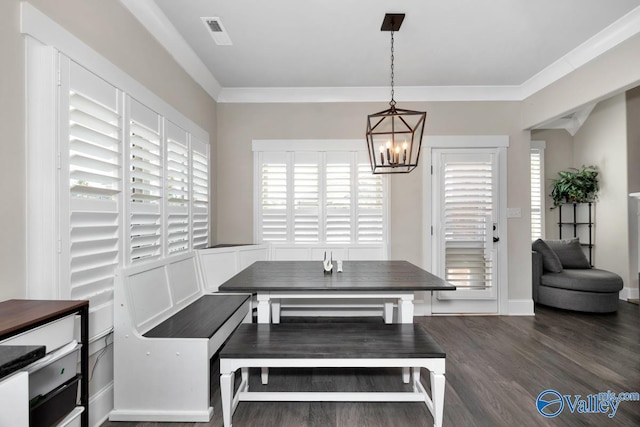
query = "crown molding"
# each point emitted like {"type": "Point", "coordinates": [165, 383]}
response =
{"type": "Point", "coordinates": [157, 23]}
{"type": "Point", "coordinates": [368, 94]}
{"type": "Point", "coordinates": [616, 33]}
{"type": "Point", "coordinates": [152, 18]}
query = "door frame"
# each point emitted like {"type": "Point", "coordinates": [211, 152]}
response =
{"type": "Point", "coordinates": [499, 142]}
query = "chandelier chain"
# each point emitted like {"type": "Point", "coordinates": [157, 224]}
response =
{"type": "Point", "coordinates": [393, 101]}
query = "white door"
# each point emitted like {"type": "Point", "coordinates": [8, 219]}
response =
{"type": "Point", "coordinates": [466, 232]}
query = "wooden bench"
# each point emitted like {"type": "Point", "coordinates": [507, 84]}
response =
{"type": "Point", "coordinates": [166, 329]}
{"type": "Point", "coordinates": [335, 345]}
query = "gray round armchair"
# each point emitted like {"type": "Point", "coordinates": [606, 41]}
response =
{"type": "Point", "coordinates": [563, 278]}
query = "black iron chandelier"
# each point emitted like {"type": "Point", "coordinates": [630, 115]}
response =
{"type": "Point", "coordinates": [394, 136]}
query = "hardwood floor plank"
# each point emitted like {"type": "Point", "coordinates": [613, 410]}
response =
{"type": "Point", "coordinates": [496, 368]}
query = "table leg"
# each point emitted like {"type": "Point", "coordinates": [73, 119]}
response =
{"type": "Point", "coordinates": [437, 397]}
{"type": "Point", "coordinates": [264, 308]}
{"type": "Point", "coordinates": [405, 315]}
{"type": "Point", "coordinates": [275, 311]}
{"type": "Point", "coordinates": [388, 311]}
{"type": "Point", "coordinates": [226, 395]}
{"type": "Point", "coordinates": [265, 376]}
{"type": "Point", "coordinates": [405, 309]}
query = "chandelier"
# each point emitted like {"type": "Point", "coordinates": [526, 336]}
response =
{"type": "Point", "coordinates": [394, 136]}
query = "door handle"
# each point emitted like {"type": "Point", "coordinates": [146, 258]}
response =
{"type": "Point", "coordinates": [496, 239]}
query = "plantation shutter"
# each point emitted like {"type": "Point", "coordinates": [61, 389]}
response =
{"type": "Point", "coordinates": [273, 197]}
{"type": "Point", "coordinates": [92, 152]}
{"type": "Point", "coordinates": [177, 189]}
{"type": "Point", "coordinates": [199, 193]}
{"type": "Point", "coordinates": [468, 224]}
{"type": "Point", "coordinates": [338, 197]}
{"type": "Point", "coordinates": [306, 201]}
{"type": "Point", "coordinates": [537, 193]}
{"type": "Point", "coordinates": [145, 183]}
{"type": "Point", "coordinates": [370, 200]}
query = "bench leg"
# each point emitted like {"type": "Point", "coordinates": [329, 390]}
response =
{"type": "Point", "coordinates": [226, 395]}
{"type": "Point", "coordinates": [244, 372]}
{"type": "Point", "coordinates": [415, 378]}
{"type": "Point", "coordinates": [265, 376]}
{"type": "Point", "coordinates": [406, 375]}
{"type": "Point", "coordinates": [437, 397]}
{"type": "Point", "coordinates": [275, 311]}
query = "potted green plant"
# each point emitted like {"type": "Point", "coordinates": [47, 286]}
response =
{"type": "Point", "coordinates": [575, 186]}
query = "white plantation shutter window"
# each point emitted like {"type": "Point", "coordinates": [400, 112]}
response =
{"type": "Point", "coordinates": [199, 193]}
{"type": "Point", "coordinates": [323, 192]}
{"type": "Point", "coordinates": [177, 189]}
{"type": "Point", "coordinates": [338, 191]}
{"type": "Point", "coordinates": [370, 209]}
{"type": "Point", "coordinates": [273, 197]}
{"type": "Point", "coordinates": [468, 212]}
{"type": "Point", "coordinates": [537, 190]}
{"type": "Point", "coordinates": [91, 152]}
{"type": "Point", "coordinates": [306, 198]}
{"type": "Point", "coordinates": [145, 183]}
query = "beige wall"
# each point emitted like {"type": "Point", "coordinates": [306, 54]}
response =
{"type": "Point", "coordinates": [112, 31]}
{"type": "Point", "coordinates": [633, 181]}
{"type": "Point", "coordinates": [12, 149]}
{"type": "Point", "coordinates": [602, 141]}
{"type": "Point", "coordinates": [611, 73]}
{"type": "Point", "coordinates": [558, 156]}
{"type": "Point", "coordinates": [239, 124]}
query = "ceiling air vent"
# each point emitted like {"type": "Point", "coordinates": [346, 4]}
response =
{"type": "Point", "coordinates": [217, 31]}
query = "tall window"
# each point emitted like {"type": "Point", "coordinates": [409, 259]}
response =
{"type": "Point", "coordinates": [537, 189]}
{"type": "Point", "coordinates": [130, 186]}
{"type": "Point", "coordinates": [309, 193]}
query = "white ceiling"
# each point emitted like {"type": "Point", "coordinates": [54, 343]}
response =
{"type": "Point", "coordinates": [338, 43]}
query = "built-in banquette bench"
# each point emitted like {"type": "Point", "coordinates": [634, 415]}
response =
{"type": "Point", "coordinates": [332, 345]}
{"type": "Point", "coordinates": [166, 329]}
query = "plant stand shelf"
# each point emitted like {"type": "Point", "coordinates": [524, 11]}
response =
{"type": "Point", "coordinates": [576, 225]}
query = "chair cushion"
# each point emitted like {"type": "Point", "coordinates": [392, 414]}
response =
{"type": "Point", "coordinates": [550, 260]}
{"type": "Point", "coordinates": [570, 253]}
{"type": "Point", "coordinates": [590, 280]}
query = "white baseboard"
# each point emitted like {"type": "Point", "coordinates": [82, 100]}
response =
{"type": "Point", "coordinates": [521, 307]}
{"type": "Point", "coordinates": [629, 293]}
{"type": "Point", "coordinates": [100, 405]}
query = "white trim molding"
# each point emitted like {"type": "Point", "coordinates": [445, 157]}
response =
{"type": "Point", "coordinates": [521, 307]}
{"type": "Point", "coordinates": [157, 23]}
{"type": "Point", "coordinates": [629, 293]}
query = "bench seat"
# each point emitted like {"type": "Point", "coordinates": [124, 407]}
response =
{"type": "Point", "coordinates": [335, 345]}
{"type": "Point", "coordinates": [198, 320]}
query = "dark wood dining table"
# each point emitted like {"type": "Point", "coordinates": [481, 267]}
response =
{"type": "Point", "coordinates": [392, 281]}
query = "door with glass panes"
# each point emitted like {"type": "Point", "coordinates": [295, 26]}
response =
{"type": "Point", "coordinates": [465, 229]}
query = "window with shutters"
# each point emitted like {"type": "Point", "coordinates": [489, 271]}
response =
{"type": "Point", "coordinates": [177, 189]}
{"type": "Point", "coordinates": [311, 195]}
{"type": "Point", "coordinates": [145, 183]}
{"type": "Point", "coordinates": [537, 189]}
{"type": "Point", "coordinates": [92, 129]}
{"type": "Point", "coordinates": [133, 186]}
{"type": "Point", "coordinates": [306, 198]}
{"type": "Point", "coordinates": [199, 193]}
{"type": "Point", "coordinates": [338, 199]}
{"type": "Point", "coordinates": [468, 224]}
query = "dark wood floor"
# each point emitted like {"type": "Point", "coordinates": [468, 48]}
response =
{"type": "Point", "coordinates": [496, 367]}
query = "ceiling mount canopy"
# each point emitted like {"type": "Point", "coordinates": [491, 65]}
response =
{"type": "Point", "coordinates": [394, 136]}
